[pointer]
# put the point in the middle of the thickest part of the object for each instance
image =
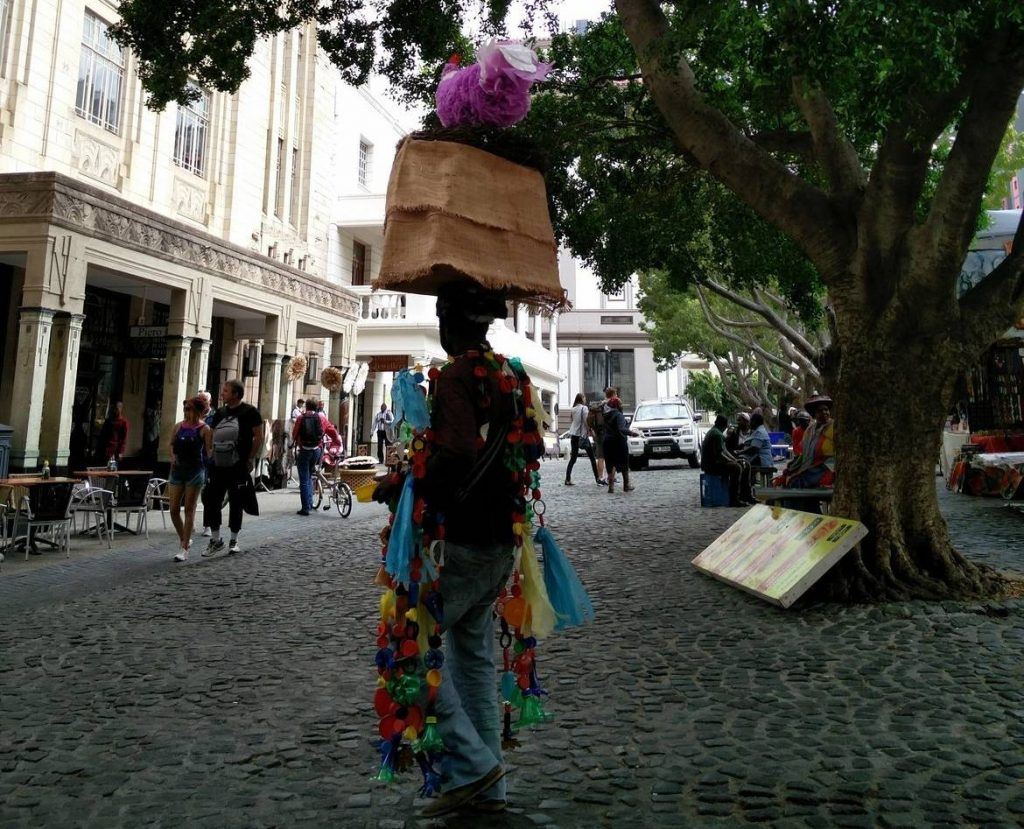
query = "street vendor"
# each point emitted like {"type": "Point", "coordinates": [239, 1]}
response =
{"type": "Point", "coordinates": [815, 464]}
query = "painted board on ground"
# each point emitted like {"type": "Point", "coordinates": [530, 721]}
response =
{"type": "Point", "coordinates": [777, 554]}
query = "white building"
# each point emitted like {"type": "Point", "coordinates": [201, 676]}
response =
{"type": "Point", "coordinates": [601, 344]}
{"type": "Point", "coordinates": [398, 330]}
{"type": "Point", "coordinates": [144, 255]}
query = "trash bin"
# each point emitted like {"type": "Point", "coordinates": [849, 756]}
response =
{"type": "Point", "coordinates": [6, 435]}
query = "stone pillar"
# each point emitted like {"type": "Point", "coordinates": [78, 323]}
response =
{"type": "Point", "coordinates": [522, 315]}
{"type": "Point", "coordinates": [538, 329]}
{"type": "Point", "coordinates": [553, 335]}
{"type": "Point", "coordinates": [65, 339]}
{"type": "Point", "coordinates": [34, 329]}
{"type": "Point", "coordinates": [176, 389]}
{"type": "Point", "coordinates": [270, 384]}
{"type": "Point", "coordinates": [284, 402]}
{"type": "Point", "coordinates": [338, 360]}
{"type": "Point", "coordinates": [198, 364]}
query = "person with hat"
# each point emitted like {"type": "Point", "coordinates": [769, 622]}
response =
{"type": "Point", "coordinates": [816, 463]}
{"type": "Point", "coordinates": [801, 420]}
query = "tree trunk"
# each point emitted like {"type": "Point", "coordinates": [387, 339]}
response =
{"type": "Point", "coordinates": [891, 393]}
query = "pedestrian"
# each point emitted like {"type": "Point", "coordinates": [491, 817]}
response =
{"type": "Point", "coordinates": [715, 459]}
{"type": "Point", "coordinates": [579, 438]}
{"type": "Point", "coordinates": [116, 431]}
{"type": "Point", "coordinates": [191, 444]}
{"type": "Point", "coordinates": [381, 421]}
{"type": "Point", "coordinates": [298, 409]}
{"type": "Point", "coordinates": [205, 400]}
{"type": "Point", "coordinates": [596, 424]}
{"type": "Point", "coordinates": [616, 447]}
{"type": "Point", "coordinates": [479, 545]}
{"type": "Point", "coordinates": [308, 435]}
{"type": "Point", "coordinates": [237, 439]}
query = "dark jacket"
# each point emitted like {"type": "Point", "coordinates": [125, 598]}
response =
{"type": "Point", "coordinates": [713, 454]}
{"type": "Point", "coordinates": [460, 408]}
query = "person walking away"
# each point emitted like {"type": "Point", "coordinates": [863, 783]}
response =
{"type": "Point", "coordinates": [381, 421]}
{"type": "Point", "coordinates": [616, 447]}
{"type": "Point", "coordinates": [237, 438]}
{"type": "Point", "coordinates": [715, 459]}
{"type": "Point", "coordinates": [205, 400]}
{"type": "Point", "coordinates": [579, 437]}
{"type": "Point", "coordinates": [479, 546]}
{"type": "Point", "coordinates": [191, 444]}
{"type": "Point", "coordinates": [308, 435]}
{"type": "Point", "coordinates": [117, 435]}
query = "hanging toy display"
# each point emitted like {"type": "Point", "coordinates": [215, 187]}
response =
{"type": "Point", "coordinates": [434, 236]}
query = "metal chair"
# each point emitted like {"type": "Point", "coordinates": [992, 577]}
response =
{"type": "Point", "coordinates": [132, 498]}
{"type": "Point", "coordinates": [47, 509]}
{"type": "Point", "coordinates": [157, 498]}
{"type": "Point", "coordinates": [94, 505]}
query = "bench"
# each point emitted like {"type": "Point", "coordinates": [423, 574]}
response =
{"type": "Point", "coordinates": [816, 497]}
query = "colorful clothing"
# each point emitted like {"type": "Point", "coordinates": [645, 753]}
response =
{"type": "Point", "coordinates": [816, 464]}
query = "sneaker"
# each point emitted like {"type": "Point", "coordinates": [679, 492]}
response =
{"type": "Point", "coordinates": [302, 512]}
{"type": "Point", "coordinates": [234, 548]}
{"type": "Point", "coordinates": [461, 796]}
{"type": "Point", "coordinates": [488, 807]}
{"type": "Point", "coordinates": [213, 547]}
{"type": "Point", "coordinates": [569, 483]}
{"type": "Point", "coordinates": [603, 482]}
{"type": "Point", "coordinates": [182, 556]}
{"type": "Point", "coordinates": [206, 532]}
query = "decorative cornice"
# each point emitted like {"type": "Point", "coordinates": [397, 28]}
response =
{"type": "Point", "coordinates": [60, 200]}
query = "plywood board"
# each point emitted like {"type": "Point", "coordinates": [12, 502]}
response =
{"type": "Point", "coordinates": [777, 554]}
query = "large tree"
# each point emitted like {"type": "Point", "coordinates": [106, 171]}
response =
{"type": "Point", "coordinates": [826, 120]}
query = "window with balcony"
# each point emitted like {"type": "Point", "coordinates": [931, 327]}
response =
{"type": "Point", "coordinates": [190, 134]}
{"type": "Point", "coordinates": [100, 76]}
{"type": "Point", "coordinates": [360, 257]}
{"type": "Point", "coordinates": [365, 156]}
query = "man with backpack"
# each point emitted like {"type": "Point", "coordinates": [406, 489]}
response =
{"type": "Point", "coordinates": [307, 436]}
{"type": "Point", "coordinates": [237, 438]}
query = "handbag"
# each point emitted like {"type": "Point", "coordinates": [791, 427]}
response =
{"type": "Point", "coordinates": [585, 443]}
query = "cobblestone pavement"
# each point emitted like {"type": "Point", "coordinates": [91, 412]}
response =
{"type": "Point", "coordinates": [235, 691]}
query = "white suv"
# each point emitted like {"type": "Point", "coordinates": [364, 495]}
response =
{"type": "Point", "coordinates": [665, 429]}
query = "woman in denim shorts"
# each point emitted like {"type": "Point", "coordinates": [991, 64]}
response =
{"type": "Point", "coordinates": [191, 444]}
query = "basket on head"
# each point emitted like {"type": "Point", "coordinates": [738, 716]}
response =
{"type": "Point", "coordinates": [456, 212]}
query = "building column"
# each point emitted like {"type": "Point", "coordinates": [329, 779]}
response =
{"type": "Point", "coordinates": [176, 389]}
{"type": "Point", "coordinates": [338, 360]}
{"type": "Point", "coordinates": [270, 384]}
{"type": "Point", "coordinates": [198, 364]}
{"type": "Point", "coordinates": [65, 339]}
{"type": "Point", "coordinates": [553, 335]}
{"type": "Point", "coordinates": [522, 315]}
{"type": "Point", "coordinates": [29, 387]}
{"type": "Point", "coordinates": [284, 402]}
{"type": "Point", "coordinates": [538, 329]}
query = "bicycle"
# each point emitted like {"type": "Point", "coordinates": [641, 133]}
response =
{"type": "Point", "coordinates": [338, 492]}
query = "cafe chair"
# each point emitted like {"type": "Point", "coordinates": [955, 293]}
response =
{"type": "Point", "coordinates": [46, 510]}
{"type": "Point", "coordinates": [133, 498]}
{"type": "Point", "coordinates": [157, 498]}
{"type": "Point", "coordinates": [93, 505]}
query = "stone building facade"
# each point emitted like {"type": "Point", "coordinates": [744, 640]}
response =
{"type": "Point", "coordinates": [145, 255]}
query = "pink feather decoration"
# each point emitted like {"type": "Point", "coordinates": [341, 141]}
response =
{"type": "Point", "coordinates": [494, 91]}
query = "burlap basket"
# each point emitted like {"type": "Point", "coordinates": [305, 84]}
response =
{"type": "Point", "coordinates": [455, 212]}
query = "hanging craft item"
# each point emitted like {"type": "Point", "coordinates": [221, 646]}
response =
{"type": "Point", "coordinates": [359, 381]}
{"type": "Point", "coordinates": [350, 377]}
{"type": "Point", "coordinates": [297, 367]}
{"type": "Point", "coordinates": [330, 378]}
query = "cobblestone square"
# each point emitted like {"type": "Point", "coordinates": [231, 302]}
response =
{"type": "Point", "coordinates": [236, 691]}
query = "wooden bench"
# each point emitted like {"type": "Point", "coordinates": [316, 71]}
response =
{"type": "Point", "coordinates": [820, 497]}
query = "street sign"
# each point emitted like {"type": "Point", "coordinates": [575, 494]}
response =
{"type": "Point", "coordinates": [777, 554]}
{"type": "Point", "coordinates": [389, 362]}
{"type": "Point", "coordinates": [148, 331]}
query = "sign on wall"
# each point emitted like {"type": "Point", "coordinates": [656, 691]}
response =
{"type": "Point", "coordinates": [389, 362]}
{"type": "Point", "coordinates": [777, 554]}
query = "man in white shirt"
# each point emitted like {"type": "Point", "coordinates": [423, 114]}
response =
{"type": "Point", "coordinates": [381, 421]}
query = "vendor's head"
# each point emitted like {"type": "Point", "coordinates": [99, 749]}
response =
{"type": "Point", "coordinates": [743, 421]}
{"type": "Point", "coordinates": [802, 418]}
{"type": "Point", "coordinates": [820, 408]}
{"type": "Point", "coordinates": [721, 422]}
{"type": "Point", "coordinates": [756, 419]}
{"type": "Point", "coordinates": [464, 312]}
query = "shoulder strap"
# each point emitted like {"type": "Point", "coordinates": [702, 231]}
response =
{"type": "Point", "coordinates": [491, 453]}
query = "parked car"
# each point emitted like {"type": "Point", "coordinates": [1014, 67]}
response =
{"type": "Point", "coordinates": [564, 444]}
{"type": "Point", "coordinates": [663, 429]}
{"type": "Point", "coordinates": [552, 445]}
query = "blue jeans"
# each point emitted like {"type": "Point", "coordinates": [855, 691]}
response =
{"type": "Point", "coordinates": [305, 461]}
{"type": "Point", "coordinates": [468, 713]}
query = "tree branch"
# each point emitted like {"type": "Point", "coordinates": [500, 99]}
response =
{"type": "Point", "coordinates": [832, 149]}
{"type": "Point", "coordinates": [713, 323]}
{"type": "Point", "coordinates": [952, 219]}
{"type": "Point", "coordinates": [997, 302]}
{"type": "Point", "coordinates": [776, 193]}
{"type": "Point", "coordinates": [786, 141]}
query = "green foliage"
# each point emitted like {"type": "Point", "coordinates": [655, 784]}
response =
{"type": "Point", "coordinates": [1009, 161]}
{"type": "Point", "coordinates": [709, 394]}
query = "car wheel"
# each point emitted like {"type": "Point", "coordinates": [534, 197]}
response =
{"type": "Point", "coordinates": [693, 460]}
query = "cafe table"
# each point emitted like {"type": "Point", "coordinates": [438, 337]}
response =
{"type": "Point", "coordinates": [30, 484]}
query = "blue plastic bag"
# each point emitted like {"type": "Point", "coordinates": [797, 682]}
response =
{"type": "Point", "coordinates": [565, 590]}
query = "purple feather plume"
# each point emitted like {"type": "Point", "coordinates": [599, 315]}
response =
{"type": "Point", "coordinates": [494, 91]}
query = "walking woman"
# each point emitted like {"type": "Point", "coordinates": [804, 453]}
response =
{"type": "Point", "coordinates": [579, 437]}
{"type": "Point", "coordinates": [616, 448]}
{"type": "Point", "coordinates": [191, 445]}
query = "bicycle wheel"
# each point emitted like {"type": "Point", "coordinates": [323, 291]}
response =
{"type": "Point", "coordinates": [343, 499]}
{"type": "Point", "coordinates": [318, 492]}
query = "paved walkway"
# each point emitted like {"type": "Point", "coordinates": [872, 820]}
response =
{"type": "Point", "coordinates": [236, 691]}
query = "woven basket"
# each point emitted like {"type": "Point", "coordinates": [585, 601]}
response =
{"type": "Point", "coordinates": [355, 478]}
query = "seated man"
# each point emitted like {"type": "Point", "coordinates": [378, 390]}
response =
{"type": "Point", "coordinates": [736, 434]}
{"type": "Point", "coordinates": [756, 448]}
{"type": "Point", "coordinates": [815, 465]}
{"type": "Point", "coordinates": [715, 459]}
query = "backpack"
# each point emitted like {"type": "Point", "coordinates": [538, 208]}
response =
{"type": "Point", "coordinates": [311, 431]}
{"type": "Point", "coordinates": [188, 448]}
{"type": "Point", "coordinates": [225, 441]}
{"type": "Point", "coordinates": [595, 418]}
